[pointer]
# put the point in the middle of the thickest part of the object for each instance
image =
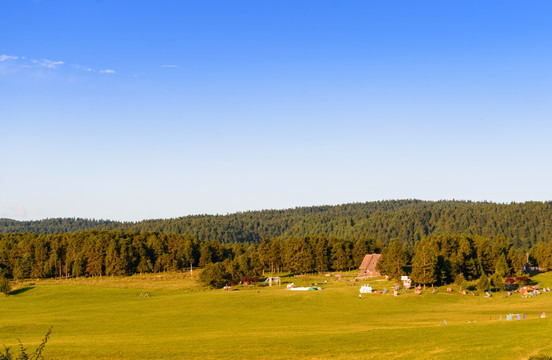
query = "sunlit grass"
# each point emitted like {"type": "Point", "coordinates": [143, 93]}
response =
{"type": "Point", "coordinates": [113, 318]}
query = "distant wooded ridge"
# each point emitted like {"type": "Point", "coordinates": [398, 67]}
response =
{"type": "Point", "coordinates": [522, 224]}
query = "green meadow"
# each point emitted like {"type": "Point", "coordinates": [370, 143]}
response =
{"type": "Point", "coordinates": [172, 317]}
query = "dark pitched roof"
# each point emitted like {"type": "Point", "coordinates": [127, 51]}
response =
{"type": "Point", "coordinates": [369, 262]}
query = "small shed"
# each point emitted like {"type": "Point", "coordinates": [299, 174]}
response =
{"type": "Point", "coordinates": [368, 266]}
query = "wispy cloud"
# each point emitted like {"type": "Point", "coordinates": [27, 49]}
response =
{"type": "Point", "coordinates": [81, 67]}
{"type": "Point", "coordinates": [8, 57]}
{"type": "Point", "coordinates": [12, 64]}
{"type": "Point", "coordinates": [47, 63]}
{"type": "Point", "coordinates": [9, 64]}
{"type": "Point", "coordinates": [171, 66]}
{"type": "Point", "coordinates": [89, 69]}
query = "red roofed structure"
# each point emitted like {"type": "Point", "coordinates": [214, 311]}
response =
{"type": "Point", "coordinates": [368, 266]}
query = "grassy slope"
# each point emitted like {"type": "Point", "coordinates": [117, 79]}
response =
{"type": "Point", "coordinates": [107, 319]}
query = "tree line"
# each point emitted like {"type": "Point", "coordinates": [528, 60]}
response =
{"type": "Point", "coordinates": [435, 259]}
{"type": "Point", "coordinates": [445, 259]}
{"type": "Point", "coordinates": [111, 252]}
{"type": "Point", "coordinates": [523, 224]}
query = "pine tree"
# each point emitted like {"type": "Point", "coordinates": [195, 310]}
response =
{"type": "Point", "coordinates": [205, 254]}
{"type": "Point", "coordinates": [299, 257]}
{"type": "Point", "coordinates": [112, 266]}
{"type": "Point", "coordinates": [501, 267]}
{"type": "Point", "coordinates": [424, 263]}
{"type": "Point", "coordinates": [340, 260]}
{"type": "Point", "coordinates": [484, 255]}
{"type": "Point", "coordinates": [393, 259]}
{"type": "Point", "coordinates": [443, 270]}
{"type": "Point", "coordinates": [361, 248]}
{"type": "Point", "coordinates": [5, 286]}
{"type": "Point", "coordinates": [497, 282]}
{"type": "Point", "coordinates": [460, 280]}
{"type": "Point", "coordinates": [321, 257]}
{"type": "Point", "coordinates": [470, 269]}
{"type": "Point", "coordinates": [517, 259]}
{"type": "Point", "coordinates": [483, 283]}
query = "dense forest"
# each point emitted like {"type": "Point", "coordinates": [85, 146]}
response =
{"type": "Point", "coordinates": [110, 252]}
{"type": "Point", "coordinates": [440, 242]}
{"type": "Point", "coordinates": [522, 224]}
{"type": "Point", "coordinates": [434, 259]}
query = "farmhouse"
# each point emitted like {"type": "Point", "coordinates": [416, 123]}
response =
{"type": "Point", "coordinates": [368, 266]}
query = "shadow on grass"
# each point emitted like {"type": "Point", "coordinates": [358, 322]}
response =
{"type": "Point", "coordinates": [21, 290]}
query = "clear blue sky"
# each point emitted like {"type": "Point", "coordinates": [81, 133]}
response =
{"type": "Point", "coordinates": [129, 110]}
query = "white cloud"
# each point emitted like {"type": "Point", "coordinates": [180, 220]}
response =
{"type": "Point", "coordinates": [80, 67]}
{"type": "Point", "coordinates": [171, 66]}
{"type": "Point", "coordinates": [14, 63]}
{"type": "Point", "coordinates": [48, 63]}
{"type": "Point", "coordinates": [8, 57]}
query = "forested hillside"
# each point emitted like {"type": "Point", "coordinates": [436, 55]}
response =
{"type": "Point", "coordinates": [522, 224]}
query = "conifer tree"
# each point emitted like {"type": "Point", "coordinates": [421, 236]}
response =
{"type": "Point", "coordinates": [340, 258]}
{"type": "Point", "coordinates": [517, 259]}
{"type": "Point", "coordinates": [361, 248]}
{"type": "Point", "coordinates": [321, 257]}
{"type": "Point", "coordinates": [501, 267]}
{"type": "Point", "coordinates": [5, 286]}
{"type": "Point", "coordinates": [424, 263]}
{"type": "Point", "coordinates": [483, 283]}
{"type": "Point", "coordinates": [393, 260]}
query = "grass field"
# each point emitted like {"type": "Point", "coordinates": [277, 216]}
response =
{"type": "Point", "coordinates": [108, 319]}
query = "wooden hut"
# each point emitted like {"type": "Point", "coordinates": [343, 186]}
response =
{"type": "Point", "coordinates": [368, 266]}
